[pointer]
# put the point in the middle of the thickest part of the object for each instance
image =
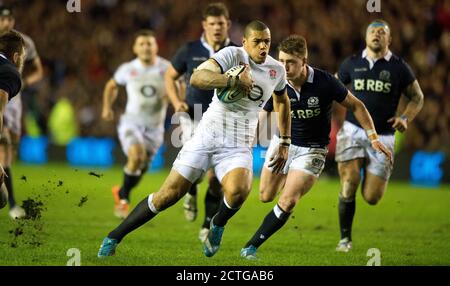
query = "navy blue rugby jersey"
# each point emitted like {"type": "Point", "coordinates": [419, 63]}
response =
{"type": "Point", "coordinates": [378, 85]}
{"type": "Point", "coordinates": [186, 59]}
{"type": "Point", "coordinates": [311, 108]}
{"type": "Point", "coordinates": [10, 80]}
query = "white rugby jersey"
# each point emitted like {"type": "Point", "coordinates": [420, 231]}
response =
{"type": "Point", "coordinates": [236, 122]}
{"type": "Point", "coordinates": [146, 101]}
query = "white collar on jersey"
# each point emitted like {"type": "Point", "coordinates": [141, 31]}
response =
{"type": "Point", "coordinates": [140, 64]}
{"type": "Point", "coordinates": [3, 56]}
{"type": "Point", "coordinates": [387, 57]}
{"type": "Point", "coordinates": [310, 79]}
{"type": "Point", "coordinates": [208, 47]}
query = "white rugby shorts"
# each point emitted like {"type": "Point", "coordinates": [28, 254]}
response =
{"type": "Point", "coordinates": [131, 133]}
{"type": "Point", "coordinates": [206, 150]}
{"type": "Point", "coordinates": [353, 143]}
{"type": "Point", "coordinates": [13, 115]}
{"type": "Point", "coordinates": [306, 159]}
{"type": "Point", "coordinates": [188, 127]}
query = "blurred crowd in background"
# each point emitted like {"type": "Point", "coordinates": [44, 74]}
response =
{"type": "Point", "coordinates": [80, 51]}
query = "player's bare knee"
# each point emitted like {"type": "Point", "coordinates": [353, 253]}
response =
{"type": "Point", "coordinates": [237, 195]}
{"type": "Point", "coordinates": [266, 197]}
{"type": "Point", "coordinates": [371, 198]}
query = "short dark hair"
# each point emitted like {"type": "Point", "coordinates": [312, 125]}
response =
{"type": "Point", "coordinates": [254, 26]}
{"type": "Point", "coordinates": [144, 33]}
{"type": "Point", "coordinates": [10, 43]}
{"type": "Point", "coordinates": [294, 45]}
{"type": "Point", "coordinates": [216, 9]}
{"type": "Point", "coordinates": [6, 11]}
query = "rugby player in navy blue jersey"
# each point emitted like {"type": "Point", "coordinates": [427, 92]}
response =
{"type": "Point", "coordinates": [12, 57]}
{"type": "Point", "coordinates": [378, 78]}
{"type": "Point", "coordinates": [311, 92]}
{"type": "Point", "coordinates": [12, 130]}
{"type": "Point", "coordinates": [216, 23]}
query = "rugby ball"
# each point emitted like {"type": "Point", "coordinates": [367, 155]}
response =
{"type": "Point", "coordinates": [231, 94]}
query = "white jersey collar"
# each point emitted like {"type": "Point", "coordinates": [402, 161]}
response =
{"type": "Point", "coordinates": [141, 65]}
{"type": "Point", "coordinates": [364, 55]}
{"type": "Point", "coordinates": [310, 79]}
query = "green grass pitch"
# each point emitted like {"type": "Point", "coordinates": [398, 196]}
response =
{"type": "Point", "coordinates": [410, 226]}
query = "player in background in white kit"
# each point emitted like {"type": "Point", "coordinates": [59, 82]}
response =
{"type": "Point", "coordinates": [141, 127]}
{"type": "Point", "coordinates": [224, 137]}
{"type": "Point", "coordinates": [12, 129]}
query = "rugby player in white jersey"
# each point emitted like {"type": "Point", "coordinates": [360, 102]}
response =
{"type": "Point", "coordinates": [224, 136]}
{"type": "Point", "coordinates": [141, 127]}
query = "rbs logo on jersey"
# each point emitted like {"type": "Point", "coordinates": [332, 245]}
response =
{"type": "Point", "coordinates": [372, 85]}
{"type": "Point", "coordinates": [305, 113]}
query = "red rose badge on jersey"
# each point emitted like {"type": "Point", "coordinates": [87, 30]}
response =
{"type": "Point", "coordinates": [272, 74]}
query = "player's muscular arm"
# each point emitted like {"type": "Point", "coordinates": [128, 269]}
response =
{"type": "Point", "coordinates": [208, 76]}
{"type": "Point", "coordinates": [3, 102]}
{"type": "Point", "coordinates": [173, 92]}
{"type": "Point", "coordinates": [414, 93]}
{"type": "Point", "coordinates": [282, 106]}
{"type": "Point", "coordinates": [109, 96]}
{"type": "Point", "coordinates": [362, 115]}
{"type": "Point", "coordinates": [37, 74]}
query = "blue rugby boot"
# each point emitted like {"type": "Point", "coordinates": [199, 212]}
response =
{"type": "Point", "coordinates": [108, 247]}
{"type": "Point", "coordinates": [212, 242]}
{"type": "Point", "coordinates": [249, 252]}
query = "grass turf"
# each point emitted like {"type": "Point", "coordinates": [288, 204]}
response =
{"type": "Point", "coordinates": [410, 226]}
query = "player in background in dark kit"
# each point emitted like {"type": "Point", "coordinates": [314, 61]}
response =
{"type": "Point", "coordinates": [311, 92]}
{"type": "Point", "coordinates": [378, 78]}
{"type": "Point", "coordinates": [12, 130]}
{"type": "Point", "coordinates": [12, 57]}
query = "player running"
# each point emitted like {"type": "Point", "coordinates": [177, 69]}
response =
{"type": "Point", "coordinates": [12, 57]}
{"type": "Point", "coordinates": [377, 78]}
{"type": "Point", "coordinates": [141, 127]}
{"type": "Point", "coordinates": [223, 138]}
{"type": "Point", "coordinates": [13, 113]}
{"type": "Point", "coordinates": [216, 23]}
{"type": "Point", "coordinates": [311, 92]}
